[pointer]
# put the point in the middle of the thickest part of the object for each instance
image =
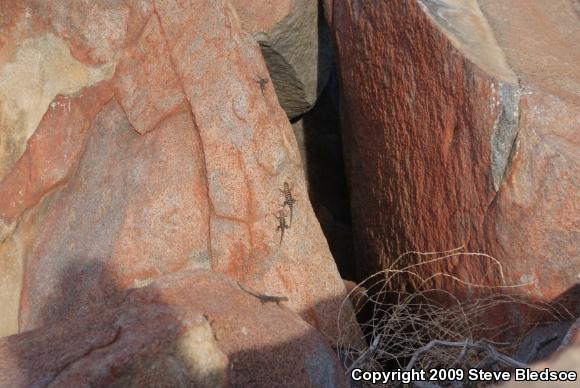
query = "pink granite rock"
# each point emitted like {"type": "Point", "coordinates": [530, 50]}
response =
{"type": "Point", "coordinates": [167, 156]}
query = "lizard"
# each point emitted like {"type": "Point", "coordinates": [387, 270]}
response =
{"type": "Point", "coordinates": [282, 225]}
{"type": "Point", "coordinates": [265, 298]}
{"type": "Point", "coordinates": [288, 200]}
{"type": "Point", "coordinates": [262, 82]}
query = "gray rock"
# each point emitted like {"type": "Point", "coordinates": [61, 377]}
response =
{"type": "Point", "coordinates": [542, 341]}
{"type": "Point", "coordinates": [297, 51]}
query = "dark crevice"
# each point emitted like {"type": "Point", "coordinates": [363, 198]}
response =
{"type": "Point", "coordinates": [318, 133]}
{"type": "Point", "coordinates": [319, 136]}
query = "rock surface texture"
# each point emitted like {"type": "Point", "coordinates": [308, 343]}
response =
{"type": "Point", "coordinates": [295, 43]}
{"type": "Point", "coordinates": [461, 129]}
{"type": "Point", "coordinates": [143, 145]}
{"type": "Point", "coordinates": [566, 359]}
{"type": "Point", "coordinates": [192, 329]}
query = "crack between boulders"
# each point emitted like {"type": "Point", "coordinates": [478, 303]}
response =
{"type": "Point", "coordinates": [87, 353]}
{"type": "Point", "coordinates": [196, 129]}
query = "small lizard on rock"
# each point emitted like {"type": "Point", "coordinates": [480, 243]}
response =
{"type": "Point", "coordinates": [288, 199]}
{"type": "Point", "coordinates": [262, 82]}
{"type": "Point", "coordinates": [282, 225]}
{"type": "Point", "coordinates": [265, 298]}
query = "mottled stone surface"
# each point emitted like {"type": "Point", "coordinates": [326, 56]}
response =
{"type": "Point", "coordinates": [460, 130]}
{"type": "Point", "coordinates": [296, 45]}
{"type": "Point", "coordinates": [165, 154]}
{"type": "Point", "coordinates": [195, 328]}
{"type": "Point", "coordinates": [32, 75]}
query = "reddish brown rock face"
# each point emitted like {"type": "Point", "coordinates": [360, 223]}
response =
{"type": "Point", "coordinates": [453, 138]}
{"type": "Point", "coordinates": [171, 156]}
{"type": "Point", "coordinates": [195, 328]}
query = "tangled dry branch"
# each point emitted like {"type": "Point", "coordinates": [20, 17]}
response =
{"type": "Point", "coordinates": [430, 327]}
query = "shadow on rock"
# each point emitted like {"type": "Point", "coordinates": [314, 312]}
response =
{"type": "Point", "coordinates": [319, 138]}
{"type": "Point", "coordinates": [192, 328]}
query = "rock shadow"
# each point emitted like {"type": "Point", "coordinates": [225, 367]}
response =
{"type": "Point", "coordinates": [191, 328]}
